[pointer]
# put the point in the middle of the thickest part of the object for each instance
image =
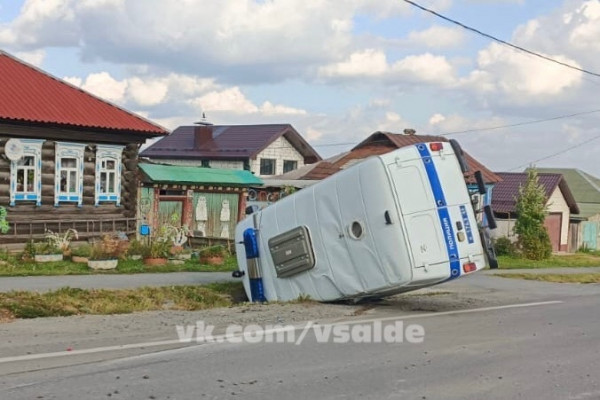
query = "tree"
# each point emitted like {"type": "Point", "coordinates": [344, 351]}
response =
{"type": "Point", "coordinates": [534, 241]}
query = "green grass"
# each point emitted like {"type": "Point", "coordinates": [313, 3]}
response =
{"type": "Point", "coordinates": [569, 260]}
{"type": "Point", "coordinates": [10, 266]}
{"type": "Point", "coordinates": [71, 301]}
{"type": "Point", "coordinates": [556, 278]}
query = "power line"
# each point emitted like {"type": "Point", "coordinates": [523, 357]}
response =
{"type": "Point", "coordinates": [520, 123]}
{"type": "Point", "coordinates": [533, 53]}
{"type": "Point", "coordinates": [558, 153]}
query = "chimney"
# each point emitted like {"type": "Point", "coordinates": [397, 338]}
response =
{"type": "Point", "coordinates": [410, 132]}
{"type": "Point", "coordinates": [202, 132]}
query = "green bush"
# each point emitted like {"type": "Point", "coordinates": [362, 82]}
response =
{"type": "Point", "coordinates": [504, 247]}
{"type": "Point", "coordinates": [534, 241]}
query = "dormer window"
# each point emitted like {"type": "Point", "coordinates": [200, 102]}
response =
{"type": "Point", "coordinates": [25, 173]}
{"type": "Point", "coordinates": [68, 185]}
{"type": "Point", "coordinates": [108, 174]}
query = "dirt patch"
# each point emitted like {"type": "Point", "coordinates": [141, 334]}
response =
{"type": "Point", "coordinates": [6, 316]}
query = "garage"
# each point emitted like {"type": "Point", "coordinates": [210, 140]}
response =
{"type": "Point", "coordinates": [553, 225]}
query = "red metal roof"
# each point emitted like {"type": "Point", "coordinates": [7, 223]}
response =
{"type": "Point", "coordinates": [31, 95]}
{"type": "Point", "coordinates": [505, 193]}
{"type": "Point", "coordinates": [228, 142]}
{"type": "Point", "coordinates": [322, 170]}
{"type": "Point", "coordinates": [379, 140]}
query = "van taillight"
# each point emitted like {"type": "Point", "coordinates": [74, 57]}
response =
{"type": "Point", "coordinates": [469, 267]}
{"type": "Point", "coordinates": [436, 146]}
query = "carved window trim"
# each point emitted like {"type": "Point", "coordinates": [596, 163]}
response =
{"type": "Point", "coordinates": [31, 148]}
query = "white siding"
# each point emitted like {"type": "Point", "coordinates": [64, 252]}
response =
{"type": "Point", "coordinates": [279, 150]}
{"type": "Point", "coordinates": [505, 229]}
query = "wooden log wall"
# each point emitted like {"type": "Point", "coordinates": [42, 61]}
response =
{"type": "Point", "coordinates": [28, 211]}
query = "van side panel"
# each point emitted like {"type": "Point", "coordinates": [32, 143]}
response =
{"type": "Point", "coordinates": [389, 239]}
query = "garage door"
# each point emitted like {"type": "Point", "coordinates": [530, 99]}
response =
{"type": "Point", "coordinates": [552, 224]}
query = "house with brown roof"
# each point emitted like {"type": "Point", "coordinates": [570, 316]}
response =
{"type": "Point", "coordinates": [585, 225]}
{"type": "Point", "coordinates": [560, 205]}
{"type": "Point", "coordinates": [68, 158]}
{"type": "Point", "coordinates": [265, 150]}
{"type": "Point", "coordinates": [376, 144]}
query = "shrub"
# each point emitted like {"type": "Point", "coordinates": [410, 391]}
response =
{"type": "Point", "coordinates": [83, 250]}
{"type": "Point", "coordinates": [504, 247]}
{"type": "Point", "coordinates": [109, 247]}
{"type": "Point", "coordinates": [212, 251]}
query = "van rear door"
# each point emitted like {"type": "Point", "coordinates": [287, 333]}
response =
{"type": "Point", "coordinates": [419, 212]}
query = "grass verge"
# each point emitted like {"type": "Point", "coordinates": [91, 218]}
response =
{"type": "Point", "coordinates": [10, 266]}
{"type": "Point", "coordinates": [569, 260]}
{"type": "Point", "coordinates": [70, 301]}
{"type": "Point", "coordinates": [556, 278]}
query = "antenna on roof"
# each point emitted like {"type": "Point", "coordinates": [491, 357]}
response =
{"type": "Point", "coordinates": [203, 121]}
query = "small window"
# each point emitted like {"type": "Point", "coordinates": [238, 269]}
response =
{"type": "Point", "coordinates": [108, 174]}
{"type": "Point", "coordinates": [267, 166]}
{"type": "Point", "coordinates": [25, 173]}
{"type": "Point", "coordinates": [206, 163]}
{"type": "Point", "coordinates": [289, 165]}
{"type": "Point", "coordinates": [69, 173]}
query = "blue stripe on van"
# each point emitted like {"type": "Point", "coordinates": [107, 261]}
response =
{"type": "Point", "coordinates": [467, 224]}
{"type": "Point", "coordinates": [444, 215]}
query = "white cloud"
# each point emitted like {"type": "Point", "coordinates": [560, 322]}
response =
{"type": "Point", "coordinates": [73, 80]}
{"type": "Point", "coordinates": [269, 108]}
{"type": "Point", "coordinates": [234, 101]}
{"type": "Point", "coordinates": [436, 119]}
{"type": "Point", "coordinates": [585, 35]}
{"type": "Point", "coordinates": [369, 62]}
{"type": "Point", "coordinates": [437, 37]}
{"type": "Point", "coordinates": [313, 134]}
{"type": "Point", "coordinates": [34, 57]}
{"type": "Point", "coordinates": [147, 92]}
{"type": "Point", "coordinates": [231, 99]}
{"type": "Point", "coordinates": [105, 86]}
{"type": "Point", "coordinates": [514, 77]}
{"type": "Point", "coordinates": [392, 122]}
{"type": "Point", "coordinates": [426, 67]}
{"type": "Point", "coordinates": [373, 64]}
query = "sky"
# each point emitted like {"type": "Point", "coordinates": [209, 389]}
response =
{"type": "Point", "coordinates": [337, 70]}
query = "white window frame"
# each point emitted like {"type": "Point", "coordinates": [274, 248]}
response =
{"type": "Point", "coordinates": [31, 148]}
{"type": "Point", "coordinates": [108, 153]}
{"type": "Point", "coordinates": [69, 150]}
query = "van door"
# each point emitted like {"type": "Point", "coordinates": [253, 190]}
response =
{"type": "Point", "coordinates": [419, 212]}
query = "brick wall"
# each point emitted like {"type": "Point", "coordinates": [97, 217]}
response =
{"type": "Point", "coordinates": [279, 150]}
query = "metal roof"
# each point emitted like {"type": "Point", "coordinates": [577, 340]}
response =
{"type": "Point", "coordinates": [31, 95]}
{"type": "Point", "coordinates": [585, 189]}
{"type": "Point", "coordinates": [380, 143]}
{"type": "Point", "coordinates": [382, 139]}
{"type": "Point", "coordinates": [505, 193]}
{"type": "Point", "coordinates": [228, 142]}
{"type": "Point", "coordinates": [197, 175]}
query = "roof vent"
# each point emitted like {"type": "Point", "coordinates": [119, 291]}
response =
{"type": "Point", "coordinates": [203, 121]}
{"type": "Point", "coordinates": [410, 132]}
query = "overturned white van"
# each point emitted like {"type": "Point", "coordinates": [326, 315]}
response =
{"type": "Point", "coordinates": [392, 223]}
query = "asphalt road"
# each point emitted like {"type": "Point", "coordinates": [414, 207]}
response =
{"type": "Point", "coordinates": [116, 281]}
{"type": "Point", "coordinates": [509, 339]}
